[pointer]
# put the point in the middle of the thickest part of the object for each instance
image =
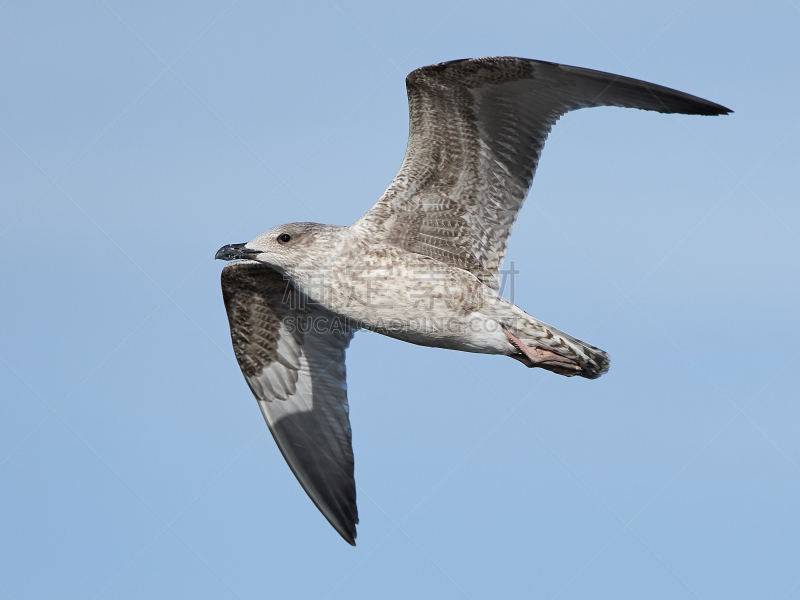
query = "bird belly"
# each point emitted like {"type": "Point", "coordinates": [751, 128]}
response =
{"type": "Point", "coordinates": [412, 298]}
{"type": "Point", "coordinates": [470, 333]}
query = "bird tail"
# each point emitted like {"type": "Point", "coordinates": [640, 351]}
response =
{"type": "Point", "coordinates": [592, 361]}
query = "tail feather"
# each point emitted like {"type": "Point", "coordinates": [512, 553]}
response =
{"type": "Point", "coordinates": [592, 361]}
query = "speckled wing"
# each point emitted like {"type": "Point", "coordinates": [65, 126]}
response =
{"type": "Point", "coordinates": [292, 355]}
{"type": "Point", "coordinates": [477, 129]}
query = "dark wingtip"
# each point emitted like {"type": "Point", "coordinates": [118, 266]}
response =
{"type": "Point", "coordinates": [343, 523]}
{"type": "Point", "coordinates": [713, 110]}
{"type": "Point", "coordinates": [346, 530]}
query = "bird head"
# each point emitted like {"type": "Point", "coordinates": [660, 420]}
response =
{"type": "Point", "coordinates": [282, 247]}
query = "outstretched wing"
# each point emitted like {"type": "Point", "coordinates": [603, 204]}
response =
{"type": "Point", "coordinates": [477, 129]}
{"type": "Point", "coordinates": [292, 356]}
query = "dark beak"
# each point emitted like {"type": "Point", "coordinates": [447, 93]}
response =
{"type": "Point", "coordinates": [235, 252]}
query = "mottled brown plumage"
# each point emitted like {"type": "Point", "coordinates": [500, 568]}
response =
{"type": "Point", "coordinates": [421, 265]}
{"type": "Point", "coordinates": [477, 130]}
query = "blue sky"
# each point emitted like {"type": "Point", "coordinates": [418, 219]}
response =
{"type": "Point", "coordinates": [138, 138]}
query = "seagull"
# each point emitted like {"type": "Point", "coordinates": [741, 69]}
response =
{"type": "Point", "coordinates": [422, 265]}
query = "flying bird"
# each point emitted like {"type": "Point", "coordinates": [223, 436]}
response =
{"type": "Point", "coordinates": [421, 265]}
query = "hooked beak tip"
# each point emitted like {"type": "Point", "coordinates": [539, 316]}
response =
{"type": "Point", "coordinates": [235, 252]}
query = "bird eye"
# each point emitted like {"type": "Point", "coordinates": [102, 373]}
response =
{"type": "Point", "coordinates": [284, 238]}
